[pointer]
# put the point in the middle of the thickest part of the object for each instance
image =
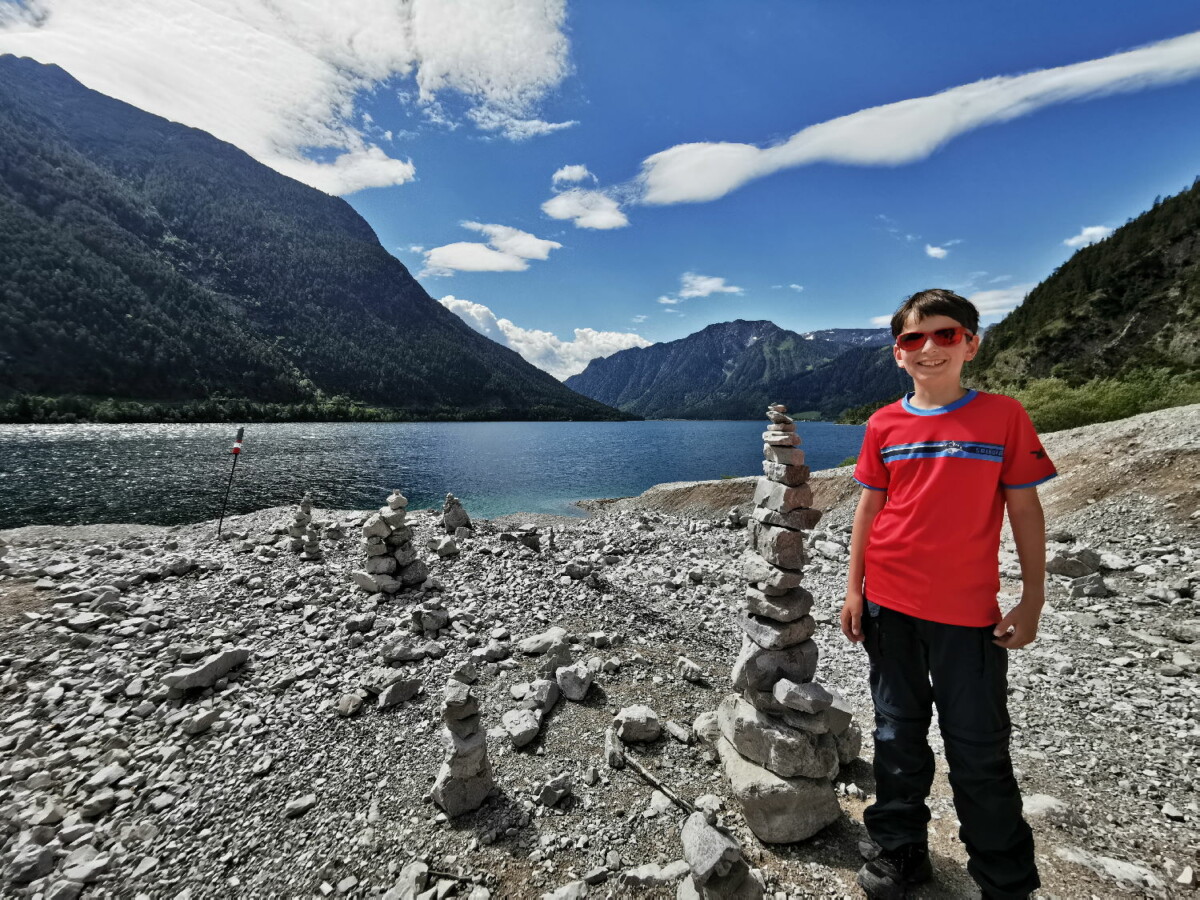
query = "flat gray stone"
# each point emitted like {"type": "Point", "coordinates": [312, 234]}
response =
{"type": "Point", "coordinates": [787, 607]}
{"type": "Point", "coordinates": [772, 635]}
{"type": "Point", "coordinates": [785, 751]}
{"type": "Point", "coordinates": [207, 673]}
{"type": "Point", "coordinates": [758, 669]}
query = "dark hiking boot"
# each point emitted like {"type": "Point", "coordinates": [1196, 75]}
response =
{"type": "Point", "coordinates": [889, 875]}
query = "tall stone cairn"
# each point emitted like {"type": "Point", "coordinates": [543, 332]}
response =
{"type": "Point", "coordinates": [392, 562]}
{"type": "Point", "coordinates": [304, 533]}
{"type": "Point", "coordinates": [782, 737]}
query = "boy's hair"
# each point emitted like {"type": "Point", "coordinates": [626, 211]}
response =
{"type": "Point", "coordinates": [937, 302]}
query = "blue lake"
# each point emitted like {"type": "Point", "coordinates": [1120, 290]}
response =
{"type": "Point", "coordinates": [167, 474]}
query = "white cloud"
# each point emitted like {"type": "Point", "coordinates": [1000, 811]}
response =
{"type": "Point", "coordinates": [669, 301]}
{"type": "Point", "coordinates": [416, 248]}
{"type": "Point", "coordinates": [588, 209]}
{"type": "Point", "coordinates": [911, 130]}
{"type": "Point", "coordinates": [508, 251]}
{"type": "Point", "coordinates": [936, 252]}
{"type": "Point", "coordinates": [640, 319]}
{"type": "Point", "coordinates": [798, 288]}
{"type": "Point", "coordinates": [704, 285]}
{"type": "Point", "coordinates": [514, 241]}
{"type": "Point", "coordinates": [1089, 235]}
{"type": "Point", "coordinates": [1000, 302]}
{"type": "Point", "coordinates": [464, 256]}
{"type": "Point", "coordinates": [572, 174]}
{"type": "Point", "coordinates": [882, 321]}
{"type": "Point", "coordinates": [542, 348]}
{"type": "Point", "coordinates": [280, 79]}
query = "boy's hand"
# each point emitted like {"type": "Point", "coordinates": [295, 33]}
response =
{"type": "Point", "coordinates": [1020, 626]}
{"type": "Point", "coordinates": [852, 610]}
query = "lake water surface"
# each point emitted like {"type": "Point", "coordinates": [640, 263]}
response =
{"type": "Point", "coordinates": [167, 474]}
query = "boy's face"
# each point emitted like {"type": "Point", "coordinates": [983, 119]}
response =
{"type": "Point", "coordinates": [931, 365]}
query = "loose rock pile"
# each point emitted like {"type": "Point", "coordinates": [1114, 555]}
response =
{"type": "Point", "coordinates": [783, 738]}
{"type": "Point", "coordinates": [392, 561]}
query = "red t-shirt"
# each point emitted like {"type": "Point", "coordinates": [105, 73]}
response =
{"type": "Point", "coordinates": [934, 548]}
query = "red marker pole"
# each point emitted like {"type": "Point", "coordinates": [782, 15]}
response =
{"type": "Point", "coordinates": [237, 452]}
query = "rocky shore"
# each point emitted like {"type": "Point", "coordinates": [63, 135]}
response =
{"type": "Point", "coordinates": [188, 717]}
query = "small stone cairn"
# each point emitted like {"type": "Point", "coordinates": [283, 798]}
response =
{"type": "Point", "coordinates": [304, 533]}
{"type": "Point", "coordinates": [465, 778]}
{"type": "Point", "coordinates": [392, 561]}
{"type": "Point", "coordinates": [455, 519]}
{"type": "Point", "coordinates": [783, 737]}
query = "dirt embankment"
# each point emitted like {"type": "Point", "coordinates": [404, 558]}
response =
{"type": "Point", "coordinates": [1156, 454]}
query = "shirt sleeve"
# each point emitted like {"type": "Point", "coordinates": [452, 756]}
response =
{"type": "Point", "coordinates": [869, 470]}
{"type": "Point", "coordinates": [1026, 463]}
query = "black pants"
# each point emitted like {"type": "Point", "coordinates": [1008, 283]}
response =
{"type": "Point", "coordinates": [969, 685]}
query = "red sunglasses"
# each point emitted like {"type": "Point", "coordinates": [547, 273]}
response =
{"type": "Point", "coordinates": [943, 337]}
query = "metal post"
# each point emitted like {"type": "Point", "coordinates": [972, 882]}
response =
{"type": "Point", "coordinates": [237, 452]}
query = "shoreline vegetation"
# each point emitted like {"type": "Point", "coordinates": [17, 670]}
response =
{"type": "Point", "coordinates": [1056, 404]}
{"type": "Point", "coordinates": [32, 409]}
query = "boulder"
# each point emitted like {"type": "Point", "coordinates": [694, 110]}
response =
{"type": "Point", "coordinates": [778, 810]}
{"type": "Point", "coordinates": [638, 723]}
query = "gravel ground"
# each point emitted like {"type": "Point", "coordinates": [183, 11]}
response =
{"type": "Point", "coordinates": [111, 785]}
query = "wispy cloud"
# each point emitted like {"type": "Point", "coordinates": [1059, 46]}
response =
{"type": "Point", "coordinates": [936, 252]}
{"type": "Point", "coordinates": [694, 285]}
{"type": "Point", "coordinates": [280, 80]}
{"type": "Point", "coordinates": [995, 304]}
{"type": "Point", "coordinates": [1089, 235]}
{"type": "Point", "coordinates": [669, 301]}
{"type": "Point", "coordinates": [507, 250]}
{"type": "Point", "coordinates": [638, 320]}
{"type": "Point", "coordinates": [798, 288]}
{"type": "Point", "coordinates": [992, 304]}
{"type": "Point", "coordinates": [911, 130]}
{"type": "Point", "coordinates": [544, 349]}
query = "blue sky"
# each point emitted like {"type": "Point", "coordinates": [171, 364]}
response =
{"type": "Point", "coordinates": [1024, 130]}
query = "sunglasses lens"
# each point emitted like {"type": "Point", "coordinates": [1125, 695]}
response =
{"type": "Point", "coordinates": [911, 341]}
{"type": "Point", "coordinates": [947, 337]}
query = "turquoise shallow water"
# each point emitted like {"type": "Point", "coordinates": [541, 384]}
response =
{"type": "Point", "coordinates": [167, 474]}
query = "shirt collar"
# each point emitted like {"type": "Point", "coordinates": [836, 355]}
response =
{"type": "Point", "coordinates": [938, 411]}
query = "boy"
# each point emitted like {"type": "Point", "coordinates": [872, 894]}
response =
{"type": "Point", "coordinates": [938, 469]}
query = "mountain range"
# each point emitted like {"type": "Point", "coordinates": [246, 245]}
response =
{"type": "Point", "coordinates": [143, 259]}
{"type": "Point", "coordinates": [732, 369]}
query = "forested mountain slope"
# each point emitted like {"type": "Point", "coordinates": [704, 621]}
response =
{"type": "Point", "coordinates": [1129, 302]}
{"type": "Point", "coordinates": [143, 259]}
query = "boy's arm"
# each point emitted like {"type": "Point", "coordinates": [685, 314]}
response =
{"type": "Point", "coordinates": [869, 505]}
{"type": "Point", "coordinates": [1029, 533]}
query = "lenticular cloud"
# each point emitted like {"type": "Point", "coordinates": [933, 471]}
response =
{"type": "Point", "coordinates": [913, 129]}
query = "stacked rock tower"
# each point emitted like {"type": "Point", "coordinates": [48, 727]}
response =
{"type": "Point", "coordinates": [465, 778]}
{"type": "Point", "coordinates": [392, 561]}
{"type": "Point", "coordinates": [304, 533]}
{"type": "Point", "coordinates": [782, 737]}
